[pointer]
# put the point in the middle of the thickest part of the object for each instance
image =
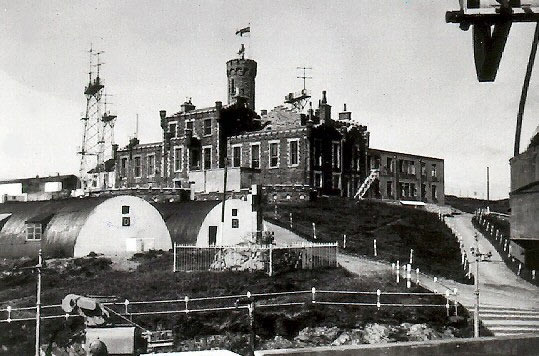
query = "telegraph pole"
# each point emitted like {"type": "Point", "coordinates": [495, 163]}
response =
{"type": "Point", "coordinates": [488, 188]}
{"type": "Point", "coordinates": [479, 257]}
{"type": "Point", "coordinates": [38, 302]}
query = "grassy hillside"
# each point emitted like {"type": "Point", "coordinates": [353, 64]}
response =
{"type": "Point", "coordinates": [153, 280]}
{"type": "Point", "coordinates": [397, 229]}
{"type": "Point", "coordinates": [469, 205]}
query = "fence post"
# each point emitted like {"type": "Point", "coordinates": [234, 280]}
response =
{"type": "Point", "coordinates": [313, 297]}
{"type": "Point", "coordinates": [533, 274]}
{"type": "Point", "coordinates": [251, 308]}
{"type": "Point", "coordinates": [411, 255]}
{"type": "Point", "coordinates": [408, 276]}
{"type": "Point", "coordinates": [126, 303]}
{"type": "Point", "coordinates": [186, 300]}
{"type": "Point", "coordinates": [375, 250]}
{"type": "Point", "coordinates": [291, 225]}
{"type": "Point", "coordinates": [8, 313]}
{"type": "Point", "coordinates": [314, 230]}
{"type": "Point", "coordinates": [519, 269]}
{"type": "Point", "coordinates": [344, 241]}
{"type": "Point", "coordinates": [271, 260]}
{"type": "Point", "coordinates": [417, 275]}
{"type": "Point", "coordinates": [398, 271]}
{"type": "Point", "coordinates": [175, 259]}
{"type": "Point", "coordinates": [275, 212]}
{"type": "Point", "coordinates": [378, 292]}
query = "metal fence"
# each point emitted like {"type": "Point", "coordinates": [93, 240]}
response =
{"type": "Point", "coordinates": [271, 259]}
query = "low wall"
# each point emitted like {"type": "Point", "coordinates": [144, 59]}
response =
{"type": "Point", "coordinates": [520, 345]}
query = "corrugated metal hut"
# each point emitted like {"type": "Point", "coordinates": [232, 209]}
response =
{"type": "Point", "coordinates": [120, 225]}
{"type": "Point", "coordinates": [199, 222]}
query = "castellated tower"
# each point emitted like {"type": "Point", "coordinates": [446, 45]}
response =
{"type": "Point", "coordinates": [241, 75]}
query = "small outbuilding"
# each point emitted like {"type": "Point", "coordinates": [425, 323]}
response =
{"type": "Point", "coordinates": [120, 225]}
{"type": "Point", "coordinates": [199, 223]}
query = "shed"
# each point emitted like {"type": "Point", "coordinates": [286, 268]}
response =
{"type": "Point", "coordinates": [120, 225]}
{"type": "Point", "coordinates": [199, 222]}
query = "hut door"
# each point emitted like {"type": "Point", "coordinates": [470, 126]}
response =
{"type": "Point", "coordinates": [212, 234]}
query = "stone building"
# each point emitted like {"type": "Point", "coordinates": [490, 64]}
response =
{"type": "Point", "coordinates": [405, 176]}
{"type": "Point", "coordinates": [293, 155]}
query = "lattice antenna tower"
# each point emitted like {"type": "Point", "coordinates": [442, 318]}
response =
{"type": "Point", "coordinates": [300, 99]}
{"type": "Point", "coordinates": [98, 123]}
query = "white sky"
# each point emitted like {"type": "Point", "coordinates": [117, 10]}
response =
{"type": "Point", "coordinates": [397, 65]}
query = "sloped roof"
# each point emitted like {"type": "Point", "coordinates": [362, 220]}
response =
{"type": "Point", "coordinates": [184, 219]}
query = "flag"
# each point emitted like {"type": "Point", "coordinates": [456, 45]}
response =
{"type": "Point", "coordinates": [243, 30]}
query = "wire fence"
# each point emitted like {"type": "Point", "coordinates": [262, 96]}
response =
{"type": "Point", "coordinates": [129, 309]}
{"type": "Point", "coordinates": [272, 259]}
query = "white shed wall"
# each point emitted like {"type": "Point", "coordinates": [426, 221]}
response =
{"type": "Point", "coordinates": [103, 231]}
{"type": "Point", "coordinates": [230, 236]}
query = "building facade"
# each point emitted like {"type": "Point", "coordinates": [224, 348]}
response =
{"type": "Point", "coordinates": [293, 155]}
{"type": "Point", "coordinates": [405, 176]}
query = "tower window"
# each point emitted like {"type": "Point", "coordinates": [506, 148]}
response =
{"type": "Point", "coordinates": [151, 165]}
{"type": "Point", "coordinates": [293, 153]}
{"type": "Point", "coordinates": [177, 159]}
{"type": "Point", "coordinates": [126, 221]}
{"type": "Point", "coordinates": [235, 223]}
{"type": "Point", "coordinates": [125, 209]}
{"type": "Point", "coordinates": [232, 87]}
{"type": "Point", "coordinates": [123, 167]}
{"type": "Point", "coordinates": [234, 212]}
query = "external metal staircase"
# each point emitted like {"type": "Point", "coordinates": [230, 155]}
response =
{"type": "Point", "coordinates": [367, 183]}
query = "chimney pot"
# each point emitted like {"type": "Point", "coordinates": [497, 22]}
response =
{"type": "Point", "coordinates": [344, 107]}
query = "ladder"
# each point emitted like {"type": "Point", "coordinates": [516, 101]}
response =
{"type": "Point", "coordinates": [367, 183]}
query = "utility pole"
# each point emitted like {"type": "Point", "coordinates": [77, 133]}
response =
{"type": "Point", "coordinates": [488, 188]}
{"type": "Point", "coordinates": [38, 301]}
{"type": "Point", "coordinates": [479, 257]}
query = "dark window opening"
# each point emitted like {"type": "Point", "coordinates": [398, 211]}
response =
{"type": "Point", "coordinates": [172, 130]}
{"type": "Point", "coordinates": [235, 223]}
{"type": "Point", "coordinates": [33, 231]}
{"type": "Point", "coordinates": [125, 209]}
{"type": "Point", "coordinates": [212, 235]}
{"type": "Point", "coordinates": [294, 152]}
{"type": "Point", "coordinates": [126, 221]}
{"type": "Point", "coordinates": [207, 158]}
{"type": "Point", "coordinates": [207, 127]}
{"type": "Point", "coordinates": [236, 160]}
{"type": "Point", "coordinates": [255, 156]}
{"type": "Point", "coordinates": [274, 154]}
{"type": "Point", "coordinates": [234, 212]}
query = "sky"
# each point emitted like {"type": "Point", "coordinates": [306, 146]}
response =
{"type": "Point", "coordinates": [401, 70]}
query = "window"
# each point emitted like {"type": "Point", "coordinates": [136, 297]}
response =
{"type": "Point", "coordinates": [232, 87]}
{"type": "Point", "coordinates": [318, 179]}
{"type": "Point", "coordinates": [434, 173]}
{"type": "Point", "coordinates": [234, 212]}
{"type": "Point", "coordinates": [123, 167]}
{"type": "Point", "coordinates": [423, 169]}
{"type": "Point", "coordinates": [236, 156]}
{"type": "Point", "coordinates": [207, 157]}
{"type": "Point", "coordinates": [357, 161]}
{"type": "Point", "coordinates": [274, 154]}
{"type": "Point", "coordinates": [138, 170]}
{"type": "Point", "coordinates": [172, 130]}
{"type": "Point", "coordinates": [33, 231]}
{"type": "Point", "coordinates": [177, 159]}
{"type": "Point", "coordinates": [411, 167]}
{"type": "Point", "coordinates": [389, 164]}
{"type": "Point", "coordinates": [255, 156]}
{"type": "Point", "coordinates": [125, 209]}
{"type": "Point", "coordinates": [151, 165]}
{"type": "Point", "coordinates": [401, 166]}
{"type": "Point", "coordinates": [189, 125]}
{"type": "Point", "coordinates": [335, 181]}
{"type": "Point", "coordinates": [423, 191]}
{"type": "Point", "coordinates": [389, 187]}
{"type": "Point", "coordinates": [235, 223]}
{"type": "Point", "coordinates": [317, 153]}
{"type": "Point", "coordinates": [336, 150]}
{"type": "Point", "coordinates": [293, 158]}
{"type": "Point", "coordinates": [195, 158]}
{"type": "Point", "coordinates": [434, 192]}
{"type": "Point", "coordinates": [126, 221]}
{"type": "Point", "coordinates": [207, 127]}
{"type": "Point", "coordinates": [413, 190]}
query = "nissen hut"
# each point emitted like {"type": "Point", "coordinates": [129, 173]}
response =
{"type": "Point", "coordinates": [121, 225]}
